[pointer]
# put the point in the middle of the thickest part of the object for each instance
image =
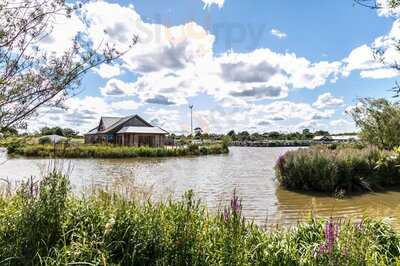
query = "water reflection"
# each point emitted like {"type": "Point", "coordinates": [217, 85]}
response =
{"type": "Point", "coordinates": [214, 178]}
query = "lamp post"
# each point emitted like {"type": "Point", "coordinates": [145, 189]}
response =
{"type": "Point", "coordinates": [191, 120]}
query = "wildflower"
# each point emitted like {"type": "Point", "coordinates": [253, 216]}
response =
{"type": "Point", "coordinates": [226, 215]}
{"type": "Point", "coordinates": [236, 206]}
{"type": "Point", "coordinates": [331, 232]}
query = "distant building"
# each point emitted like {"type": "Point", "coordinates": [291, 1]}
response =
{"type": "Point", "coordinates": [346, 138]}
{"type": "Point", "coordinates": [52, 139]}
{"type": "Point", "coordinates": [343, 138]}
{"type": "Point", "coordinates": [128, 131]}
{"type": "Point", "coordinates": [198, 131]}
{"type": "Point", "coordinates": [322, 138]}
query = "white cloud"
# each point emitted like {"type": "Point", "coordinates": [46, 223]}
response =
{"type": "Point", "coordinates": [80, 113]}
{"type": "Point", "coordinates": [118, 88]}
{"type": "Point", "coordinates": [279, 34]}
{"type": "Point", "coordinates": [361, 58]}
{"type": "Point", "coordinates": [108, 71]}
{"type": "Point", "coordinates": [382, 73]}
{"type": "Point", "coordinates": [342, 126]}
{"type": "Point", "coordinates": [127, 105]}
{"type": "Point", "coordinates": [327, 100]}
{"type": "Point", "coordinates": [62, 35]}
{"type": "Point", "coordinates": [371, 65]}
{"type": "Point", "coordinates": [174, 64]}
{"type": "Point", "coordinates": [386, 10]}
{"type": "Point", "coordinates": [208, 3]}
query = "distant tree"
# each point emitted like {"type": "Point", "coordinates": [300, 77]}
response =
{"type": "Point", "coordinates": [307, 134]}
{"type": "Point", "coordinates": [321, 133]}
{"type": "Point", "coordinates": [243, 136]}
{"type": "Point", "coordinates": [30, 77]}
{"type": "Point", "coordinates": [9, 131]}
{"type": "Point", "coordinates": [256, 136]}
{"type": "Point", "coordinates": [274, 135]}
{"type": "Point", "coordinates": [379, 121]}
{"type": "Point", "coordinates": [68, 132]}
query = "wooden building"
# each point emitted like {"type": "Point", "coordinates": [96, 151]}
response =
{"type": "Point", "coordinates": [128, 131]}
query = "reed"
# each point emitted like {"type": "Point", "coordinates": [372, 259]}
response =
{"type": "Point", "coordinates": [338, 170]}
{"type": "Point", "coordinates": [109, 151]}
{"type": "Point", "coordinates": [43, 224]}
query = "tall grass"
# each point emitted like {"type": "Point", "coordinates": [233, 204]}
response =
{"type": "Point", "coordinates": [108, 151]}
{"type": "Point", "coordinates": [43, 224]}
{"type": "Point", "coordinates": [338, 170]}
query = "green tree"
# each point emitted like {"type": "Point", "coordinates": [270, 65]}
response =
{"type": "Point", "coordinates": [379, 121]}
{"type": "Point", "coordinates": [68, 132]}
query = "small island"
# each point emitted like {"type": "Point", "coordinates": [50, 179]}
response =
{"type": "Point", "coordinates": [340, 169]}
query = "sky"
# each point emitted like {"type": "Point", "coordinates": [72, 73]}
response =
{"type": "Point", "coordinates": [260, 66]}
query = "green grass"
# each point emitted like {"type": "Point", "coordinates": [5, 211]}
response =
{"type": "Point", "coordinates": [338, 169]}
{"type": "Point", "coordinates": [108, 151]}
{"type": "Point", "coordinates": [43, 224]}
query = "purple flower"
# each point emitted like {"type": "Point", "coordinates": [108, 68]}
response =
{"type": "Point", "coordinates": [331, 233]}
{"type": "Point", "coordinates": [226, 215]}
{"type": "Point", "coordinates": [236, 206]}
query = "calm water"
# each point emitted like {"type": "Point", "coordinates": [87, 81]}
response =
{"type": "Point", "coordinates": [214, 178]}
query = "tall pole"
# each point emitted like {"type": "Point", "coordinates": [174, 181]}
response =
{"type": "Point", "coordinates": [191, 120]}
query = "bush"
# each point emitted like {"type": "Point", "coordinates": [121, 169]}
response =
{"type": "Point", "coordinates": [108, 151]}
{"type": "Point", "coordinates": [45, 225]}
{"type": "Point", "coordinates": [44, 140]}
{"type": "Point", "coordinates": [338, 170]}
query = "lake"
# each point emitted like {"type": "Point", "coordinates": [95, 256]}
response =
{"type": "Point", "coordinates": [213, 178]}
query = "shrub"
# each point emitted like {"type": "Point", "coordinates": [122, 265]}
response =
{"type": "Point", "coordinates": [342, 169]}
{"type": "Point", "coordinates": [108, 151]}
{"type": "Point", "coordinates": [45, 225]}
{"type": "Point", "coordinates": [44, 140]}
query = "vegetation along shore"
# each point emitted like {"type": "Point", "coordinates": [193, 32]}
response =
{"type": "Point", "coordinates": [112, 151]}
{"type": "Point", "coordinates": [44, 224]}
{"type": "Point", "coordinates": [351, 167]}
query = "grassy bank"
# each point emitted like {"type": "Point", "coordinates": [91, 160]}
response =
{"type": "Point", "coordinates": [44, 224]}
{"type": "Point", "coordinates": [338, 169]}
{"type": "Point", "coordinates": [108, 151]}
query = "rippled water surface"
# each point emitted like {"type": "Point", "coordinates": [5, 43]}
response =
{"type": "Point", "coordinates": [213, 178]}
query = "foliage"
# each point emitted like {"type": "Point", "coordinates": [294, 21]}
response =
{"type": "Point", "coordinates": [66, 150]}
{"type": "Point", "coordinates": [66, 132]}
{"type": "Point", "coordinates": [45, 225]}
{"type": "Point", "coordinates": [379, 121]}
{"type": "Point", "coordinates": [338, 170]}
{"type": "Point", "coordinates": [44, 140]}
{"type": "Point", "coordinates": [30, 75]}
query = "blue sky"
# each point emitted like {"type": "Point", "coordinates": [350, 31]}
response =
{"type": "Point", "coordinates": [245, 65]}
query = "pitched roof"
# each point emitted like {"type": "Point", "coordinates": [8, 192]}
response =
{"type": "Point", "coordinates": [109, 121]}
{"type": "Point", "coordinates": [143, 130]}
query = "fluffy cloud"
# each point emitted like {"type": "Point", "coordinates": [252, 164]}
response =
{"type": "Point", "coordinates": [208, 3]}
{"type": "Point", "coordinates": [372, 64]}
{"type": "Point", "coordinates": [341, 126]}
{"type": "Point", "coordinates": [386, 10]}
{"type": "Point", "coordinates": [174, 64]}
{"type": "Point", "coordinates": [108, 71]}
{"type": "Point", "coordinates": [327, 100]}
{"type": "Point", "coordinates": [279, 34]}
{"type": "Point", "coordinates": [127, 105]}
{"type": "Point", "coordinates": [116, 87]}
{"type": "Point", "coordinates": [62, 35]}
